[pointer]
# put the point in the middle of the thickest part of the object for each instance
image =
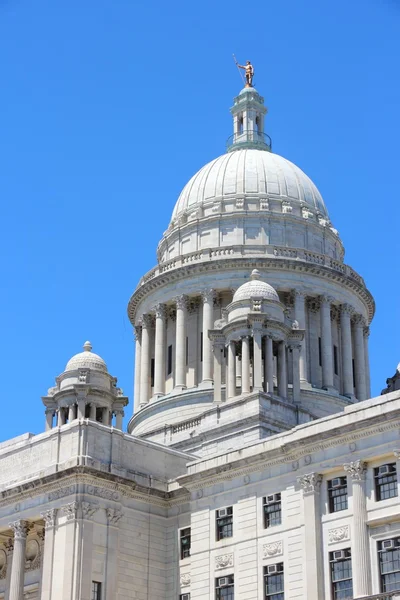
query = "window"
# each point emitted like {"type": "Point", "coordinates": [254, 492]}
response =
{"type": "Point", "coordinates": [273, 582]}
{"type": "Point", "coordinates": [224, 589]}
{"type": "Point", "coordinates": [386, 481]}
{"type": "Point", "coordinates": [337, 493]}
{"type": "Point", "coordinates": [96, 590]}
{"type": "Point", "coordinates": [169, 360]}
{"type": "Point", "coordinates": [152, 362]}
{"type": "Point", "coordinates": [184, 597]}
{"type": "Point", "coordinates": [335, 360]}
{"type": "Point", "coordinates": [341, 575]}
{"type": "Point", "coordinates": [389, 564]}
{"type": "Point", "coordinates": [272, 510]}
{"type": "Point", "coordinates": [224, 524]}
{"type": "Point", "coordinates": [320, 351]}
{"type": "Point", "coordinates": [185, 542]}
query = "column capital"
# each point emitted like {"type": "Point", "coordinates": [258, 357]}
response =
{"type": "Point", "coordinates": [367, 331]}
{"type": "Point", "coordinates": [310, 483]}
{"type": "Point", "coordinates": [326, 299]}
{"type": "Point", "coordinates": [181, 302]}
{"type": "Point", "coordinates": [359, 321]}
{"type": "Point", "coordinates": [160, 311]}
{"type": "Point", "coordinates": [314, 304]}
{"type": "Point", "coordinates": [147, 321]}
{"type": "Point", "coordinates": [346, 309]}
{"type": "Point", "coordinates": [397, 454]}
{"type": "Point", "coordinates": [137, 332]}
{"type": "Point", "coordinates": [294, 346]}
{"type": "Point", "coordinates": [20, 529]}
{"type": "Point", "coordinates": [299, 293]}
{"type": "Point", "coordinates": [70, 510]}
{"type": "Point", "coordinates": [113, 515]}
{"type": "Point", "coordinates": [89, 509]}
{"type": "Point", "coordinates": [49, 517]}
{"type": "Point", "coordinates": [208, 295]}
{"type": "Point", "coordinates": [356, 470]}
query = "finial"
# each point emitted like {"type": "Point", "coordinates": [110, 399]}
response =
{"type": "Point", "coordinates": [249, 72]}
{"type": "Point", "coordinates": [255, 275]}
{"type": "Point", "coordinates": [87, 346]}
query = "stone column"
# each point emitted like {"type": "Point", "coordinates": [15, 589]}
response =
{"type": "Point", "coordinates": [119, 415]}
{"type": "Point", "coordinates": [93, 411]}
{"type": "Point", "coordinates": [145, 361]}
{"type": "Point", "coordinates": [114, 516]}
{"type": "Point", "coordinates": [245, 364]}
{"type": "Point", "coordinates": [366, 354]}
{"type": "Point", "coordinates": [9, 545]}
{"type": "Point", "coordinates": [296, 358]}
{"type": "Point", "coordinates": [180, 348]}
{"type": "Point", "coordinates": [314, 574]}
{"type": "Point", "coordinates": [347, 353]}
{"type": "Point", "coordinates": [18, 561]}
{"type": "Point", "coordinates": [49, 418]}
{"type": "Point", "coordinates": [300, 316]}
{"type": "Point", "coordinates": [81, 407]}
{"type": "Point", "coordinates": [159, 360]}
{"type": "Point", "coordinates": [71, 413]}
{"type": "Point", "coordinates": [282, 370]}
{"type": "Point", "coordinates": [138, 356]}
{"type": "Point", "coordinates": [257, 360]}
{"type": "Point", "coordinates": [231, 369]}
{"type": "Point", "coordinates": [208, 324]}
{"type": "Point", "coordinates": [326, 343]}
{"type": "Point", "coordinates": [49, 517]}
{"type": "Point", "coordinates": [60, 416]}
{"type": "Point", "coordinates": [218, 351]}
{"type": "Point", "coordinates": [268, 365]}
{"type": "Point", "coordinates": [360, 545]}
{"type": "Point", "coordinates": [359, 358]}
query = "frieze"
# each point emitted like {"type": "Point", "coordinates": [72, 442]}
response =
{"type": "Point", "coordinates": [223, 561]}
{"type": "Point", "coordinates": [102, 493]}
{"type": "Point", "coordinates": [272, 549]}
{"type": "Point", "coordinates": [62, 492]}
{"type": "Point", "coordinates": [338, 534]}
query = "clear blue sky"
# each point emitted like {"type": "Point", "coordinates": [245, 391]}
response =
{"type": "Point", "coordinates": [107, 107]}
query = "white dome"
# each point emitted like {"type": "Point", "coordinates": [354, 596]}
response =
{"type": "Point", "coordinates": [87, 360]}
{"type": "Point", "coordinates": [255, 288]}
{"type": "Point", "coordinates": [251, 172]}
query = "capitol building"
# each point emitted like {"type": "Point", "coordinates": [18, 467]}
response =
{"type": "Point", "coordinates": [256, 465]}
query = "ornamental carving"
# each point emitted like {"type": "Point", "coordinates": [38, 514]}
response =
{"type": "Point", "coordinates": [306, 213]}
{"type": "Point", "coordinates": [160, 311]}
{"type": "Point", "coordinates": [32, 555]}
{"type": "Point", "coordinates": [224, 561]}
{"type": "Point", "coordinates": [146, 321]}
{"type": "Point", "coordinates": [264, 204]}
{"type": "Point", "coordinates": [185, 579]}
{"type": "Point", "coordinates": [88, 510]}
{"type": "Point", "coordinates": [347, 309]}
{"type": "Point", "coordinates": [310, 483]}
{"type": "Point", "coordinates": [314, 305]}
{"type": "Point", "coordinates": [113, 515]}
{"type": "Point", "coordinates": [181, 302]}
{"type": "Point", "coordinates": [70, 510]}
{"type": "Point", "coordinates": [359, 321]}
{"type": "Point", "coordinates": [286, 207]}
{"type": "Point", "coordinates": [3, 563]}
{"type": "Point", "coordinates": [20, 529]}
{"type": "Point", "coordinates": [272, 549]}
{"type": "Point", "coordinates": [137, 333]}
{"type": "Point", "coordinates": [102, 492]}
{"type": "Point", "coordinates": [49, 517]}
{"type": "Point", "coordinates": [208, 296]}
{"type": "Point", "coordinates": [356, 470]}
{"type": "Point", "coordinates": [339, 534]}
{"type": "Point", "coordinates": [61, 493]}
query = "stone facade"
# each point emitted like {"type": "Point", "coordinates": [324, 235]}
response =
{"type": "Point", "coordinates": [255, 462]}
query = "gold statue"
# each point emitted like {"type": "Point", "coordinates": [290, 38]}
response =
{"type": "Point", "coordinates": [249, 72]}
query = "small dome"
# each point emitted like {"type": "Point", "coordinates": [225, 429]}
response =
{"type": "Point", "coordinates": [255, 288]}
{"type": "Point", "coordinates": [86, 360]}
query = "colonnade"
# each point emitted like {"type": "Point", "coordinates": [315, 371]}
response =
{"type": "Point", "coordinates": [350, 362]}
{"type": "Point", "coordinates": [81, 410]}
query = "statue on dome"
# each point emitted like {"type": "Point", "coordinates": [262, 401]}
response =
{"type": "Point", "coordinates": [249, 71]}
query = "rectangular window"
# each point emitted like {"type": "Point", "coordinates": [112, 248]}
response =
{"type": "Point", "coordinates": [201, 347]}
{"type": "Point", "coordinates": [389, 564]}
{"type": "Point", "coordinates": [224, 588]}
{"type": "Point", "coordinates": [184, 597]}
{"type": "Point", "coordinates": [341, 575]}
{"type": "Point", "coordinates": [224, 523]}
{"type": "Point", "coordinates": [169, 360]}
{"type": "Point", "coordinates": [337, 493]}
{"type": "Point", "coordinates": [320, 351]}
{"type": "Point", "coordinates": [335, 360]}
{"type": "Point", "coordinates": [187, 351]}
{"type": "Point", "coordinates": [185, 542]}
{"type": "Point", "coordinates": [272, 510]}
{"type": "Point", "coordinates": [273, 582]}
{"type": "Point", "coordinates": [386, 481]}
{"type": "Point", "coordinates": [96, 590]}
{"type": "Point", "coordinates": [152, 362]}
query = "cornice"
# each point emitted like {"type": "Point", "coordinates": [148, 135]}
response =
{"type": "Point", "coordinates": [275, 263]}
